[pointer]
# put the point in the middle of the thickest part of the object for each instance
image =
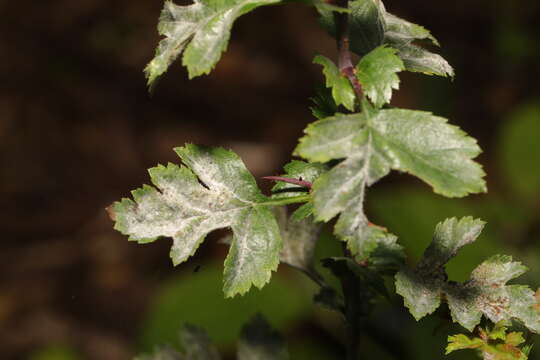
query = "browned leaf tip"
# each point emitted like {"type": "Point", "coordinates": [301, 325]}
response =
{"type": "Point", "coordinates": [110, 211]}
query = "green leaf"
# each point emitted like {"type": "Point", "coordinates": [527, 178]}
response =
{"type": "Point", "coordinates": [298, 170]}
{"type": "Point", "coordinates": [401, 34]}
{"type": "Point", "coordinates": [374, 142]}
{"type": "Point", "coordinates": [258, 341]}
{"type": "Point", "coordinates": [299, 240]}
{"type": "Point", "coordinates": [324, 104]}
{"type": "Point", "coordinates": [486, 293]}
{"type": "Point", "coordinates": [377, 71]}
{"type": "Point", "coordinates": [366, 24]}
{"type": "Point", "coordinates": [461, 341]}
{"type": "Point", "coordinates": [399, 30]}
{"type": "Point", "coordinates": [421, 288]}
{"type": "Point", "coordinates": [342, 90]}
{"type": "Point", "coordinates": [418, 59]}
{"type": "Point", "coordinates": [197, 345]}
{"type": "Point", "coordinates": [214, 191]}
{"type": "Point", "coordinates": [200, 30]}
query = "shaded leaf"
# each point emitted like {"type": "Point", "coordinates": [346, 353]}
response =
{"type": "Point", "coordinates": [366, 24]}
{"type": "Point", "coordinates": [399, 30]}
{"type": "Point", "coordinates": [214, 191]}
{"type": "Point", "coordinates": [401, 34]}
{"type": "Point", "coordinates": [200, 30]}
{"type": "Point", "coordinates": [328, 298]}
{"type": "Point", "coordinates": [486, 293]}
{"type": "Point", "coordinates": [197, 345]}
{"type": "Point", "coordinates": [258, 341]}
{"type": "Point", "coordinates": [342, 90]}
{"type": "Point", "coordinates": [324, 104]}
{"type": "Point", "coordinates": [418, 59]}
{"type": "Point", "coordinates": [299, 240]}
{"type": "Point", "coordinates": [377, 72]}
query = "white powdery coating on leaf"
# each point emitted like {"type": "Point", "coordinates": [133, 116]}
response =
{"type": "Point", "coordinates": [187, 210]}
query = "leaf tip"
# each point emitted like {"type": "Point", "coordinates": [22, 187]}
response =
{"type": "Point", "coordinates": [111, 211]}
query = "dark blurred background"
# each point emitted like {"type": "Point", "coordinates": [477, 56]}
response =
{"type": "Point", "coordinates": [78, 131]}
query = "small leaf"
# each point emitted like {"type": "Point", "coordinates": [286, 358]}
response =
{"type": "Point", "coordinates": [515, 338]}
{"type": "Point", "coordinates": [342, 90]}
{"type": "Point", "coordinates": [399, 30]}
{"type": "Point", "coordinates": [324, 104]}
{"type": "Point", "coordinates": [377, 71]}
{"type": "Point", "coordinates": [461, 341]}
{"type": "Point", "coordinates": [418, 59]}
{"type": "Point", "coordinates": [214, 191]}
{"type": "Point", "coordinates": [197, 345]}
{"type": "Point", "coordinates": [258, 341]}
{"type": "Point", "coordinates": [401, 34]}
{"type": "Point", "coordinates": [200, 30]}
{"type": "Point", "coordinates": [299, 240]}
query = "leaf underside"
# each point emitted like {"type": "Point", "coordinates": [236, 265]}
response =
{"type": "Point", "coordinates": [213, 191]}
{"type": "Point", "coordinates": [486, 293]}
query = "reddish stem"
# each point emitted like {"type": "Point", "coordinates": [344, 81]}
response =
{"type": "Point", "coordinates": [298, 182]}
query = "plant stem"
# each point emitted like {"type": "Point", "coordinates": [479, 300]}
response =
{"type": "Point", "coordinates": [298, 182]}
{"type": "Point", "coordinates": [344, 57]}
{"type": "Point", "coordinates": [287, 201]}
{"type": "Point", "coordinates": [354, 310]}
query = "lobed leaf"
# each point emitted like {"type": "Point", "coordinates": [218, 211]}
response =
{"type": "Point", "coordinates": [214, 190]}
{"type": "Point", "coordinates": [486, 293]}
{"type": "Point", "coordinates": [371, 144]}
{"type": "Point", "coordinates": [200, 30]}
{"type": "Point", "coordinates": [342, 90]}
{"type": "Point", "coordinates": [377, 72]}
{"type": "Point", "coordinates": [491, 344]}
